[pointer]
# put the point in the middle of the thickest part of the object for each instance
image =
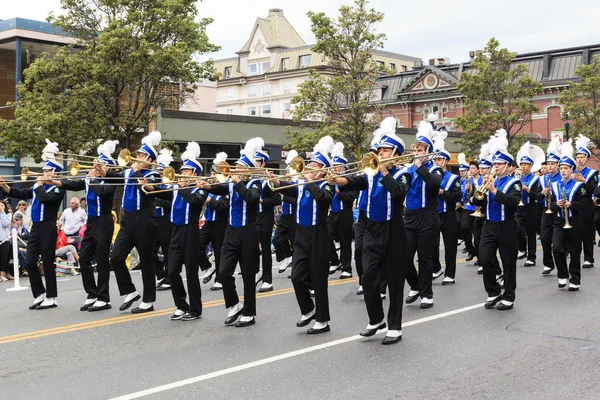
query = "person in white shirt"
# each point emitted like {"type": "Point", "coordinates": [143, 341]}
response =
{"type": "Point", "coordinates": [73, 218]}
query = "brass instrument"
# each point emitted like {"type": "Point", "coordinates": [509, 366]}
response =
{"type": "Point", "coordinates": [596, 201]}
{"type": "Point", "coordinates": [477, 213]}
{"type": "Point", "coordinates": [458, 205]}
{"type": "Point", "coordinates": [345, 174]}
{"type": "Point", "coordinates": [168, 175]}
{"type": "Point", "coordinates": [298, 167]}
{"type": "Point", "coordinates": [75, 167]}
{"type": "Point", "coordinates": [520, 174]}
{"type": "Point", "coordinates": [548, 197]}
{"type": "Point", "coordinates": [125, 158]}
{"type": "Point", "coordinates": [370, 162]}
{"type": "Point", "coordinates": [563, 194]}
{"type": "Point", "coordinates": [190, 183]}
{"type": "Point", "coordinates": [481, 191]}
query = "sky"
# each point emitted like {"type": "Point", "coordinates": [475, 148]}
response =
{"type": "Point", "coordinates": [434, 28]}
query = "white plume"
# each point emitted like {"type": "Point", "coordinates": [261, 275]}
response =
{"type": "Point", "coordinates": [566, 149]}
{"type": "Point", "coordinates": [377, 135]}
{"type": "Point", "coordinates": [524, 151]}
{"type": "Point", "coordinates": [325, 145]}
{"type": "Point", "coordinates": [439, 143]}
{"type": "Point", "coordinates": [484, 152]}
{"type": "Point", "coordinates": [389, 124]}
{"type": "Point", "coordinates": [462, 159]}
{"type": "Point", "coordinates": [153, 139]}
{"type": "Point", "coordinates": [582, 141]}
{"type": "Point", "coordinates": [49, 150]}
{"type": "Point", "coordinates": [164, 157]}
{"type": "Point", "coordinates": [425, 130]}
{"type": "Point", "coordinates": [290, 156]}
{"type": "Point", "coordinates": [501, 135]}
{"type": "Point", "coordinates": [338, 150]}
{"type": "Point", "coordinates": [252, 146]}
{"type": "Point", "coordinates": [220, 157]}
{"type": "Point", "coordinates": [108, 147]}
{"type": "Point", "coordinates": [192, 151]}
{"type": "Point", "coordinates": [498, 142]}
{"type": "Point", "coordinates": [554, 146]}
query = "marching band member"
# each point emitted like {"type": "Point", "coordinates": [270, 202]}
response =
{"type": "Point", "coordinates": [216, 209]}
{"type": "Point", "coordinates": [421, 218]}
{"type": "Point", "coordinates": [46, 199]}
{"type": "Point", "coordinates": [484, 165]}
{"type": "Point", "coordinates": [186, 205]}
{"type": "Point", "coordinates": [467, 221]}
{"type": "Point", "coordinates": [547, 225]}
{"type": "Point", "coordinates": [568, 202]}
{"type": "Point", "coordinates": [138, 225]}
{"type": "Point", "coordinates": [241, 241]}
{"type": "Point", "coordinates": [283, 239]}
{"type": "Point", "coordinates": [340, 219]}
{"type": "Point", "coordinates": [165, 227]}
{"type": "Point", "coordinates": [499, 231]}
{"type": "Point", "coordinates": [589, 177]}
{"type": "Point", "coordinates": [384, 243]}
{"type": "Point", "coordinates": [449, 195]}
{"type": "Point", "coordinates": [463, 174]}
{"type": "Point", "coordinates": [265, 219]}
{"type": "Point", "coordinates": [525, 215]}
{"type": "Point", "coordinates": [97, 238]}
{"type": "Point", "coordinates": [311, 248]}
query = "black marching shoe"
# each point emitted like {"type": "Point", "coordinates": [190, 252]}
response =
{"type": "Point", "coordinates": [88, 303]}
{"type": "Point", "coordinates": [470, 257]}
{"type": "Point", "coordinates": [303, 322]}
{"type": "Point", "coordinates": [503, 306]}
{"type": "Point", "coordinates": [231, 320]}
{"type": "Point", "coordinates": [464, 251]}
{"type": "Point", "coordinates": [243, 324]}
{"type": "Point", "coordinates": [489, 304]}
{"type": "Point", "coordinates": [391, 340]}
{"type": "Point", "coordinates": [94, 307]}
{"type": "Point", "coordinates": [313, 331]}
{"type": "Point", "coordinates": [547, 270]}
{"type": "Point", "coordinates": [139, 310]}
{"type": "Point", "coordinates": [411, 298]}
{"type": "Point", "coordinates": [370, 332]}
{"type": "Point", "coordinates": [129, 303]}
{"type": "Point", "coordinates": [188, 316]}
{"type": "Point", "coordinates": [476, 263]}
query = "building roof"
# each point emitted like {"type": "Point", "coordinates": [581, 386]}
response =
{"type": "Point", "coordinates": [31, 25]}
{"type": "Point", "coordinates": [277, 30]}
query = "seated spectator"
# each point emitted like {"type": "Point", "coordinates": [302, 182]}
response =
{"type": "Point", "coordinates": [24, 210]}
{"type": "Point", "coordinates": [83, 204]}
{"type": "Point", "coordinates": [64, 245]}
{"type": "Point", "coordinates": [5, 237]}
{"type": "Point", "coordinates": [73, 218]}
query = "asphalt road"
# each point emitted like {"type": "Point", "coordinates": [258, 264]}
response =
{"type": "Point", "coordinates": [545, 348]}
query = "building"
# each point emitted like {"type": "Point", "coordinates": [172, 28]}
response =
{"type": "Point", "coordinates": [262, 79]}
{"type": "Point", "coordinates": [410, 96]}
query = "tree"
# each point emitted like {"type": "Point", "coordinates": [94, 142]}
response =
{"type": "Point", "coordinates": [110, 84]}
{"type": "Point", "coordinates": [498, 96]}
{"type": "Point", "coordinates": [582, 101]}
{"type": "Point", "coordinates": [341, 99]}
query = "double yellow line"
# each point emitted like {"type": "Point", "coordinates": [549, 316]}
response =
{"type": "Point", "coordinates": [135, 317]}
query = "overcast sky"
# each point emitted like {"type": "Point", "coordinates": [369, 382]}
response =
{"type": "Point", "coordinates": [434, 28]}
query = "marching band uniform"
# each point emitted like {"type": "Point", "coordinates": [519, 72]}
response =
{"type": "Point", "coordinates": [384, 243]}
{"type": "Point", "coordinates": [466, 220]}
{"type": "Point", "coordinates": [46, 200]}
{"type": "Point", "coordinates": [525, 215]}
{"type": "Point", "coordinates": [450, 194]}
{"type": "Point", "coordinates": [310, 262]}
{"type": "Point", "coordinates": [241, 241]}
{"type": "Point", "coordinates": [499, 231]}
{"type": "Point", "coordinates": [547, 226]}
{"type": "Point", "coordinates": [265, 219]}
{"type": "Point", "coordinates": [422, 222]}
{"type": "Point", "coordinates": [339, 222]}
{"type": "Point", "coordinates": [97, 238]}
{"type": "Point", "coordinates": [186, 205]}
{"type": "Point", "coordinates": [138, 229]}
{"type": "Point", "coordinates": [589, 177]}
{"type": "Point", "coordinates": [165, 227]}
{"type": "Point", "coordinates": [283, 239]}
{"type": "Point", "coordinates": [565, 240]}
{"type": "Point", "coordinates": [483, 164]}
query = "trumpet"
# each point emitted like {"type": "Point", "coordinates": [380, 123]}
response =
{"type": "Point", "coordinates": [563, 194]}
{"type": "Point", "coordinates": [482, 190]}
{"type": "Point", "coordinates": [596, 201]}
{"type": "Point", "coordinates": [548, 198]}
{"type": "Point", "coordinates": [477, 213]}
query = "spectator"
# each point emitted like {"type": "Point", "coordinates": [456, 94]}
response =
{"type": "Point", "coordinates": [23, 208]}
{"type": "Point", "coordinates": [5, 220]}
{"type": "Point", "coordinates": [83, 204]}
{"type": "Point", "coordinates": [23, 234]}
{"type": "Point", "coordinates": [73, 218]}
{"type": "Point", "coordinates": [64, 245]}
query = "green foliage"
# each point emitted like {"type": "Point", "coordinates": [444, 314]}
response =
{"type": "Point", "coordinates": [498, 96]}
{"type": "Point", "coordinates": [108, 85]}
{"type": "Point", "coordinates": [340, 100]}
{"type": "Point", "coordinates": [582, 101]}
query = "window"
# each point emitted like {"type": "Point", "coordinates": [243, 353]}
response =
{"type": "Point", "coordinates": [265, 67]}
{"type": "Point", "coordinates": [287, 107]}
{"type": "Point", "coordinates": [380, 63]}
{"type": "Point", "coordinates": [443, 112]}
{"type": "Point", "coordinates": [266, 111]}
{"type": "Point", "coordinates": [392, 66]}
{"type": "Point", "coordinates": [436, 109]}
{"type": "Point", "coordinates": [252, 69]}
{"type": "Point", "coordinates": [304, 61]}
{"type": "Point", "coordinates": [252, 111]}
{"type": "Point", "coordinates": [404, 69]}
{"type": "Point", "coordinates": [266, 89]}
{"type": "Point", "coordinates": [230, 111]}
{"type": "Point", "coordinates": [227, 72]}
{"type": "Point", "coordinates": [286, 87]}
{"type": "Point", "coordinates": [252, 91]}
{"type": "Point", "coordinates": [258, 68]}
{"type": "Point", "coordinates": [284, 64]}
{"type": "Point", "coordinates": [229, 94]}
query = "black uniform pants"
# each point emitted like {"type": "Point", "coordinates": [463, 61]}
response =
{"type": "Point", "coordinates": [568, 241]}
{"type": "Point", "coordinates": [359, 233]}
{"type": "Point", "coordinates": [183, 250]}
{"type": "Point", "coordinates": [384, 259]}
{"type": "Point", "coordinates": [502, 237]}
{"type": "Point", "coordinates": [466, 229]}
{"type": "Point", "coordinates": [95, 245]}
{"type": "Point", "coordinates": [449, 232]}
{"type": "Point", "coordinates": [340, 227]}
{"type": "Point", "coordinates": [212, 232]}
{"type": "Point", "coordinates": [310, 269]}
{"type": "Point", "coordinates": [42, 242]}
{"type": "Point", "coordinates": [589, 231]}
{"type": "Point", "coordinates": [281, 240]}
{"type": "Point", "coordinates": [265, 221]}
{"type": "Point", "coordinates": [458, 214]}
{"type": "Point", "coordinates": [477, 227]}
{"type": "Point", "coordinates": [421, 231]}
{"type": "Point", "coordinates": [546, 233]}
{"type": "Point", "coordinates": [138, 229]}
{"type": "Point", "coordinates": [526, 229]}
{"type": "Point", "coordinates": [539, 211]}
{"type": "Point", "coordinates": [240, 245]}
{"type": "Point", "coordinates": [163, 240]}
{"type": "Point", "coordinates": [597, 218]}
{"type": "Point", "coordinates": [5, 255]}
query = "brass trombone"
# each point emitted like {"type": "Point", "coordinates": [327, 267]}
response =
{"type": "Point", "coordinates": [125, 158]}
{"type": "Point", "coordinates": [75, 167]}
{"type": "Point", "coordinates": [370, 162]}
{"type": "Point", "coordinates": [168, 176]}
